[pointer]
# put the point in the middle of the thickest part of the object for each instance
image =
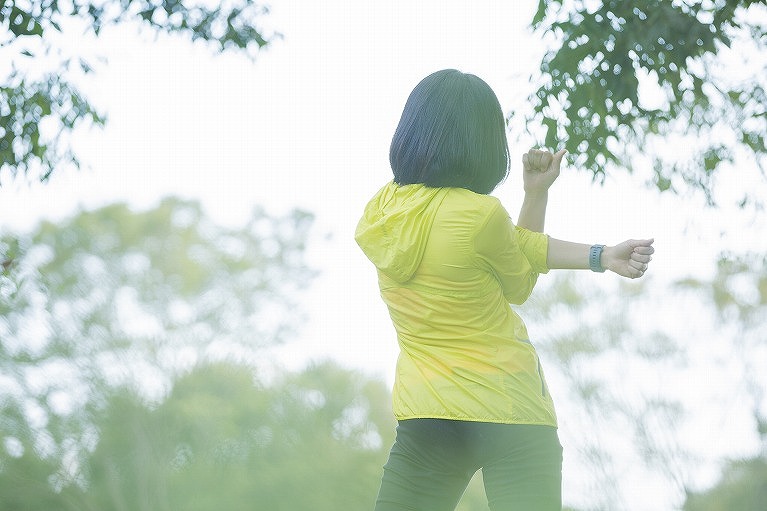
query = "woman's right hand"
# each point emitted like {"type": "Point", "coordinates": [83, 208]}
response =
{"type": "Point", "coordinates": [629, 259]}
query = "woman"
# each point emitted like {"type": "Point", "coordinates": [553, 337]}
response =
{"type": "Point", "coordinates": [469, 391]}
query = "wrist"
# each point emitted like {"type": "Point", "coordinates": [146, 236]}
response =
{"type": "Point", "coordinates": [606, 258]}
{"type": "Point", "coordinates": [537, 194]}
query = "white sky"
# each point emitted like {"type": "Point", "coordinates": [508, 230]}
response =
{"type": "Point", "coordinates": [308, 125]}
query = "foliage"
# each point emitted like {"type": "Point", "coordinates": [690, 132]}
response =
{"type": "Point", "coordinates": [219, 441]}
{"type": "Point", "coordinates": [37, 113]}
{"type": "Point", "coordinates": [609, 371]}
{"type": "Point", "coordinates": [25, 472]}
{"type": "Point", "coordinates": [623, 75]}
{"type": "Point", "coordinates": [222, 439]}
{"type": "Point", "coordinates": [117, 328]}
{"type": "Point", "coordinates": [738, 294]}
{"type": "Point", "coordinates": [743, 487]}
{"type": "Point", "coordinates": [114, 298]}
{"type": "Point", "coordinates": [125, 396]}
{"type": "Point", "coordinates": [630, 365]}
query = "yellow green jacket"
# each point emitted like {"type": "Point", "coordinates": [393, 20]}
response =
{"type": "Point", "coordinates": [450, 261]}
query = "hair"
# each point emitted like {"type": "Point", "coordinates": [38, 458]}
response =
{"type": "Point", "coordinates": [452, 133]}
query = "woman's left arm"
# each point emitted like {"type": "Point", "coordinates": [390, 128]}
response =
{"type": "Point", "coordinates": [532, 214]}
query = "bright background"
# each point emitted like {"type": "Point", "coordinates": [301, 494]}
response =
{"type": "Point", "coordinates": [307, 125]}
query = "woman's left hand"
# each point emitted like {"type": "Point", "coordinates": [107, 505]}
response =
{"type": "Point", "coordinates": [540, 169]}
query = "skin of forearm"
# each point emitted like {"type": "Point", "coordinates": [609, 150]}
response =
{"type": "Point", "coordinates": [532, 214]}
{"type": "Point", "coordinates": [566, 255]}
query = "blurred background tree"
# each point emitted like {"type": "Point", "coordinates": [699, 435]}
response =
{"type": "Point", "coordinates": [612, 374]}
{"type": "Point", "coordinates": [40, 105]}
{"type": "Point", "coordinates": [113, 299]}
{"type": "Point", "coordinates": [135, 374]}
{"type": "Point", "coordinates": [625, 364]}
{"type": "Point", "coordinates": [743, 486]}
{"type": "Point", "coordinates": [738, 295]}
{"type": "Point", "coordinates": [224, 439]}
{"type": "Point", "coordinates": [677, 87]}
{"type": "Point", "coordinates": [134, 371]}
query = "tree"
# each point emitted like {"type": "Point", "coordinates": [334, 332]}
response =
{"type": "Point", "coordinates": [607, 368]}
{"type": "Point", "coordinates": [738, 295]}
{"type": "Point", "coordinates": [743, 487]}
{"type": "Point", "coordinates": [682, 81]}
{"type": "Point", "coordinates": [615, 371]}
{"type": "Point", "coordinates": [666, 381]}
{"type": "Point", "coordinates": [114, 298]}
{"type": "Point", "coordinates": [39, 110]}
{"type": "Point", "coordinates": [117, 334]}
{"type": "Point", "coordinates": [24, 474]}
{"type": "Point", "coordinates": [224, 439]}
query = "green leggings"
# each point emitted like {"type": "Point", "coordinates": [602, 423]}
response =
{"type": "Point", "coordinates": [433, 460]}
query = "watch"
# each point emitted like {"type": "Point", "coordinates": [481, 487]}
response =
{"type": "Point", "coordinates": [595, 258]}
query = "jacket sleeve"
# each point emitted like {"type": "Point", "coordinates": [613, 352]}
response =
{"type": "Point", "coordinates": [535, 246]}
{"type": "Point", "coordinates": [514, 255]}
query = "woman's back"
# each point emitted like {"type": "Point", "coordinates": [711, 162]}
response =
{"type": "Point", "coordinates": [465, 354]}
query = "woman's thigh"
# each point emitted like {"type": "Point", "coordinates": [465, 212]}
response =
{"type": "Point", "coordinates": [522, 467]}
{"type": "Point", "coordinates": [428, 467]}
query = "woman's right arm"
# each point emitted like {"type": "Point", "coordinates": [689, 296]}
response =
{"type": "Point", "coordinates": [628, 259]}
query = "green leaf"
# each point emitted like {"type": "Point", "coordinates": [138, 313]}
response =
{"type": "Point", "coordinates": [147, 14]}
{"type": "Point", "coordinates": [592, 67]}
{"type": "Point", "coordinates": [540, 13]}
{"type": "Point", "coordinates": [551, 139]}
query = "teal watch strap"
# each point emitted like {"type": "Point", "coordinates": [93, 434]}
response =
{"type": "Point", "coordinates": [595, 256]}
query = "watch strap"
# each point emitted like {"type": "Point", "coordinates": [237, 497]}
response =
{"type": "Point", "coordinates": [595, 258]}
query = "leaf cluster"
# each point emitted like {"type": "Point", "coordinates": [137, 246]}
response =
{"type": "Point", "coordinates": [27, 103]}
{"type": "Point", "coordinates": [611, 56]}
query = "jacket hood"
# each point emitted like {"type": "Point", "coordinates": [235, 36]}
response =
{"type": "Point", "coordinates": [395, 227]}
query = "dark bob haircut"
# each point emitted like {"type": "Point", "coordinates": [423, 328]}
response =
{"type": "Point", "coordinates": [452, 134]}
